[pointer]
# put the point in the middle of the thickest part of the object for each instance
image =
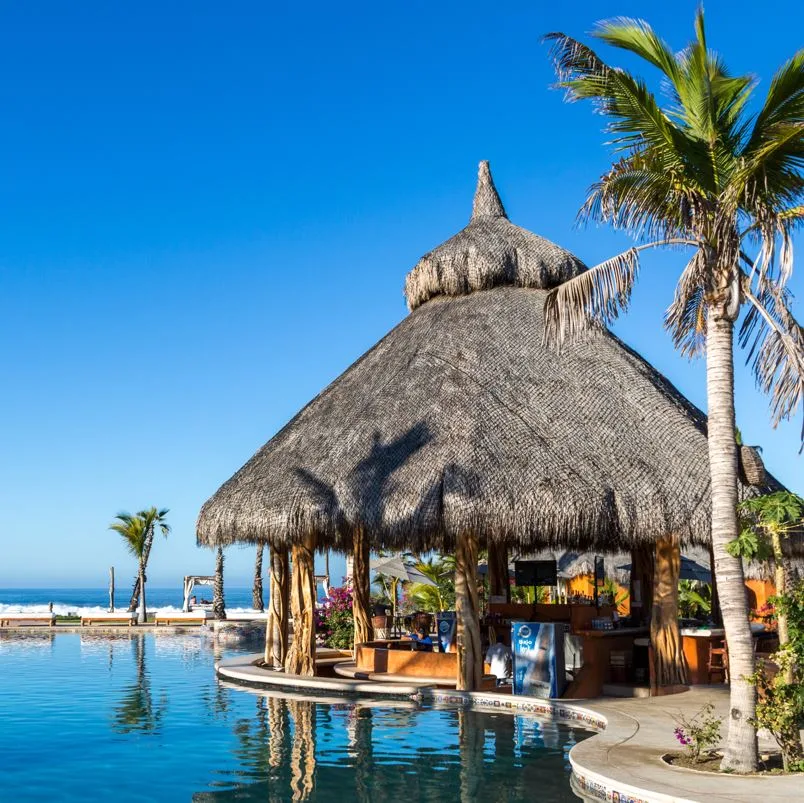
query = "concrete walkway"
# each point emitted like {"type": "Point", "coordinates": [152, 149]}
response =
{"type": "Point", "coordinates": [624, 758]}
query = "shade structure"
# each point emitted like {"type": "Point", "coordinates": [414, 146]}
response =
{"type": "Point", "coordinates": [690, 570]}
{"type": "Point", "coordinates": [396, 567]}
{"type": "Point", "coordinates": [463, 420]}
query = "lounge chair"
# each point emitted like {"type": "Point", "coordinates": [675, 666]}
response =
{"type": "Point", "coordinates": [18, 619]}
{"type": "Point", "coordinates": [125, 618]}
{"type": "Point", "coordinates": [247, 616]}
{"type": "Point", "coordinates": [198, 617]}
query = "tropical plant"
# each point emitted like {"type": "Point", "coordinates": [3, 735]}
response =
{"type": "Point", "coordinates": [334, 621]}
{"type": "Point", "coordinates": [138, 533]}
{"type": "Point", "coordinates": [218, 603]}
{"type": "Point", "coordinates": [694, 599]}
{"type": "Point", "coordinates": [768, 519]}
{"type": "Point", "coordinates": [152, 518]}
{"type": "Point", "coordinates": [440, 597]}
{"type": "Point", "coordinates": [699, 733]}
{"type": "Point", "coordinates": [699, 172]}
{"type": "Point", "coordinates": [257, 599]}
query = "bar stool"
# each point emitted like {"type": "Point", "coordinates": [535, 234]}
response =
{"type": "Point", "coordinates": [718, 663]}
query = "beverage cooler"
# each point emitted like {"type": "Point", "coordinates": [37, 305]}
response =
{"type": "Point", "coordinates": [538, 654]}
{"type": "Point", "coordinates": [446, 626]}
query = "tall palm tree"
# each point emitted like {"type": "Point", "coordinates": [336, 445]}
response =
{"type": "Point", "coordinates": [133, 530]}
{"type": "Point", "coordinates": [218, 605]}
{"type": "Point", "coordinates": [257, 599]}
{"type": "Point", "coordinates": [700, 172]}
{"type": "Point", "coordinates": [152, 518]}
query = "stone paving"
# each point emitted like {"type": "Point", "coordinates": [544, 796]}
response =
{"type": "Point", "coordinates": [625, 757]}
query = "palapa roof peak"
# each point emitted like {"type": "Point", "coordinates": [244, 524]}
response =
{"type": "Point", "coordinates": [487, 200]}
{"type": "Point", "coordinates": [490, 252]}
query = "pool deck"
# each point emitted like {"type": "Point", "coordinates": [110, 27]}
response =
{"type": "Point", "coordinates": [621, 762]}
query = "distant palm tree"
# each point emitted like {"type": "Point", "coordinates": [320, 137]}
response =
{"type": "Point", "coordinates": [152, 518]}
{"type": "Point", "coordinates": [700, 172]}
{"type": "Point", "coordinates": [218, 605]}
{"type": "Point", "coordinates": [257, 599]}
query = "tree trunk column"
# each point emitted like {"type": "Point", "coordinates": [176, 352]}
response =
{"type": "Point", "coordinates": [276, 637]}
{"type": "Point", "coordinates": [499, 585]}
{"type": "Point", "coordinates": [470, 658]}
{"type": "Point", "coordinates": [670, 666]}
{"type": "Point", "coordinates": [741, 743]}
{"type": "Point", "coordinates": [361, 588]}
{"type": "Point", "coordinates": [301, 656]}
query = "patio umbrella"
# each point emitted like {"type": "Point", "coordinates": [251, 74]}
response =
{"type": "Point", "coordinates": [690, 570]}
{"type": "Point", "coordinates": [396, 568]}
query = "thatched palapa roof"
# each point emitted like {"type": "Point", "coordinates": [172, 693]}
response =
{"type": "Point", "coordinates": [461, 418]}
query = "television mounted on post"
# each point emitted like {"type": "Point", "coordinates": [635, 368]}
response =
{"type": "Point", "coordinates": [535, 573]}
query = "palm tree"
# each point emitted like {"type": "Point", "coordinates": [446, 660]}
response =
{"type": "Point", "coordinates": [698, 172]}
{"type": "Point", "coordinates": [152, 518]}
{"type": "Point", "coordinates": [257, 599]}
{"type": "Point", "coordinates": [133, 530]}
{"type": "Point", "coordinates": [218, 605]}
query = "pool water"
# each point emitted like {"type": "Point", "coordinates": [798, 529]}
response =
{"type": "Point", "coordinates": [142, 717]}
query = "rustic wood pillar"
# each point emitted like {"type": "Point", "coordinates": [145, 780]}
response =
{"type": "Point", "coordinates": [499, 584]}
{"type": "Point", "coordinates": [670, 666]}
{"type": "Point", "coordinates": [470, 657]}
{"type": "Point", "coordinates": [302, 753]}
{"type": "Point", "coordinates": [301, 655]}
{"type": "Point", "coordinates": [361, 588]}
{"type": "Point", "coordinates": [641, 584]}
{"type": "Point", "coordinates": [276, 634]}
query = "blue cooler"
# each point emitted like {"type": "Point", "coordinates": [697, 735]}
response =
{"type": "Point", "coordinates": [538, 654]}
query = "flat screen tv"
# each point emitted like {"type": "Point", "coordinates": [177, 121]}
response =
{"type": "Point", "coordinates": [535, 573]}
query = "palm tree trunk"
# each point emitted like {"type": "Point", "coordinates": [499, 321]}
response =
{"type": "Point", "coordinates": [276, 641]}
{"type": "Point", "coordinates": [470, 657]}
{"type": "Point", "coordinates": [142, 617]}
{"type": "Point", "coordinates": [301, 655]}
{"type": "Point", "coordinates": [218, 605]}
{"type": "Point", "coordinates": [361, 587]}
{"type": "Point", "coordinates": [741, 745]}
{"type": "Point", "coordinates": [146, 553]}
{"type": "Point", "coordinates": [257, 600]}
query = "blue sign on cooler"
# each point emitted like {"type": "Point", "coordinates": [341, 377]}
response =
{"type": "Point", "coordinates": [538, 651]}
{"type": "Point", "coordinates": [446, 625]}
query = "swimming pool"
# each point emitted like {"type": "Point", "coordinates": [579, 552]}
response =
{"type": "Point", "coordinates": [142, 717]}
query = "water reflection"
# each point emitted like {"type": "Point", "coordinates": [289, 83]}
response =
{"type": "Point", "coordinates": [137, 711]}
{"type": "Point", "coordinates": [297, 749]}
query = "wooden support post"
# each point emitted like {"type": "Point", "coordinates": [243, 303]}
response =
{"type": "Point", "coordinates": [499, 583]}
{"type": "Point", "coordinates": [276, 635]}
{"type": "Point", "coordinates": [301, 655]}
{"type": "Point", "coordinates": [470, 657]}
{"type": "Point", "coordinates": [670, 666]}
{"type": "Point", "coordinates": [641, 586]}
{"type": "Point", "coordinates": [361, 588]}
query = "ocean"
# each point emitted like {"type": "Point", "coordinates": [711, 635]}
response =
{"type": "Point", "coordinates": [86, 601]}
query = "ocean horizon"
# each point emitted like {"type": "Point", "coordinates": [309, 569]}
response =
{"type": "Point", "coordinates": [87, 601]}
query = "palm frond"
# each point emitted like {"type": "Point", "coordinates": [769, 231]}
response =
{"type": "Point", "coordinates": [595, 297]}
{"type": "Point", "coordinates": [775, 342]}
{"type": "Point", "coordinates": [685, 318]}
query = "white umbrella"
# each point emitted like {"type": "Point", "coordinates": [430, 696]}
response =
{"type": "Point", "coordinates": [396, 568]}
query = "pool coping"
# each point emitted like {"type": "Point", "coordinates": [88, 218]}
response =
{"type": "Point", "coordinates": [620, 761]}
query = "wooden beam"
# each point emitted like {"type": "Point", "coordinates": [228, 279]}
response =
{"type": "Point", "coordinates": [641, 584]}
{"type": "Point", "coordinates": [277, 626]}
{"type": "Point", "coordinates": [669, 663]}
{"type": "Point", "coordinates": [361, 587]}
{"type": "Point", "coordinates": [301, 655]}
{"type": "Point", "coordinates": [470, 657]}
{"type": "Point", "coordinates": [499, 583]}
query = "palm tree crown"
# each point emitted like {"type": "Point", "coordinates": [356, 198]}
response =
{"type": "Point", "coordinates": [699, 171]}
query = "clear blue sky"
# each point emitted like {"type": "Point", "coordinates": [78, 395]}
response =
{"type": "Point", "coordinates": [208, 211]}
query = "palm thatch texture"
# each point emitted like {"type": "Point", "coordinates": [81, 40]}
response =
{"type": "Point", "coordinates": [461, 418]}
{"type": "Point", "coordinates": [462, 422]}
